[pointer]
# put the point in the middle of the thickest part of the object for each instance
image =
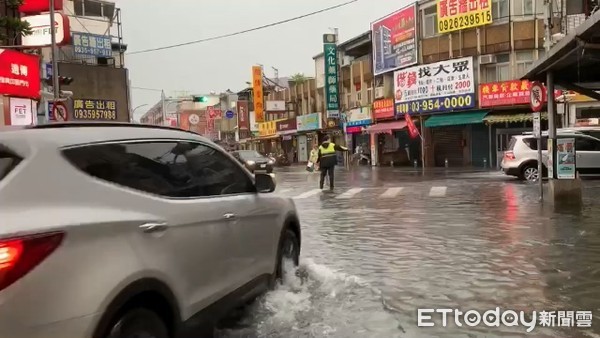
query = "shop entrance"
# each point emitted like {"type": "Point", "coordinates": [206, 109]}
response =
{"type": "Point", "coordinates": [503, 137]}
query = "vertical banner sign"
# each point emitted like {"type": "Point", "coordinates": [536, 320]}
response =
{"type": "Point", "coordinates": [257, 89]}
{"type": "Point", "coordinates": [565, 158]}
{"type": "Point", "coordinates": [242, 111]}
{"type": "Point", "coordinates": [331, 76]}
{"type": "Point", "coordinates": [454, 15]}
{"type": "Point", "coordinates": [413, 132]}
{"type": "Point", "coordinates": [436, 87]}
{"type": "Point", "coordinates": [550, 156]}
{"type": "Point", "coordinates": [394, 40]}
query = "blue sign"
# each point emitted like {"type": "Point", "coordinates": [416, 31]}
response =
{"type": "Point", "coordinates": [229, 114]}
{"type": "Point", "coordinates": [436, 105]}
{"type": "Point", "coordinates": [51, 116]}
{"type": "Point", "coordinates": [358, 123]}
{"type": "Point", "coordinates": [85, 44]}
{"type": "Point", "coordinates": [308, 122]}
{"type": "Point", "coordinates": [48, 70]}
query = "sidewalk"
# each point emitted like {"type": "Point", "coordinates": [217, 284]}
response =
{"type": "Point", "coordinates": [435, 170]}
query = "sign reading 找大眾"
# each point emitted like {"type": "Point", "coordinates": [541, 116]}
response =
{"type": "Point", "coordinates": [93, 109]}
{"type": "Point", "coordinates": [454, 15]}
{"type": "Point", "coordinates": [435, 87]}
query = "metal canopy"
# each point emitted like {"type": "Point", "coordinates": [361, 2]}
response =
{"type": "Point", "coordinates": [573, 60]}
{"type": "Point", "coordinates": [455, 119]}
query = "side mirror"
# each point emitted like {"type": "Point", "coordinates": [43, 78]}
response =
{"type": "Point", "coordinates": [265, 183]}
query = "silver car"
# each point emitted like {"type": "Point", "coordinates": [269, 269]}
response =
{"type": "Point", "coordinates": [119, 230]}
{"type": "Point", "coordinates": [521, 158]}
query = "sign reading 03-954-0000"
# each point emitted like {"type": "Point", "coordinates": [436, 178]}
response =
{"type": "Point", "coordinates": [93, 109]}
{"type": "Point", "coordinates": [454, 15]}
{"type": "Point", "coordinates": [436, 87]}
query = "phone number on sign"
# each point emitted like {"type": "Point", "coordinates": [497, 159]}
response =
{"type": "Point", "coordinates": [465, 21]}
{"type": "Point", "coordinates": [94, 114]}
{"type": "Point", "coordinates": [437, 104]}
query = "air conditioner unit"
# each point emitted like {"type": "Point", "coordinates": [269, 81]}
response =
{"type": "Point", "coordinates": [487, 59]}
{"type": "Point", "coordinates": [379, 94]}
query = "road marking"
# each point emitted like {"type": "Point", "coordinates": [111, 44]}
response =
{"type": "Point", "coordinates": [438, 191]}
{"type": "Point", "coordinates": [308, 194]}
{"type": "Point", "coordinates": [284, 191]}
{"type": "Point", "coordinates": [350, 193]}
{"type": "Point", "coordinates": [391, 193]}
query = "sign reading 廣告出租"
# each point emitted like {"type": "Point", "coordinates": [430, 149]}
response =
{"type": "Point", "coordinates": [442, 86]}
{"type": "Point", "coordinates": [332, 98]}
{"type": "Point", "coordinates": [454, 15]}
{"type": "Point", "coordinates": [92, 45]}
{"type": "Point", "coordinates": [94, 109]}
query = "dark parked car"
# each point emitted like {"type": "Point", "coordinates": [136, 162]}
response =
{"type": "Point", "coordinates": [253, 160]}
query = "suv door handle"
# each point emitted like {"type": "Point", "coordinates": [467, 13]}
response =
{"type": "Point", "coordinates": [153, 227]}
{"type": "Point", "coordinates": [229, 216]}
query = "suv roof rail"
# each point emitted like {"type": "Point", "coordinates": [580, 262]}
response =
{"type": "Point", "coordinates": [104, 124]}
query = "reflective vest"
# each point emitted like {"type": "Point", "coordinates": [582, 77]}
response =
{"type": "Point", "coordinates": [330, 150]}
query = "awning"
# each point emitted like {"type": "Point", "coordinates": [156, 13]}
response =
{"type": "Point", "coordinates": [455, 119]}
{"type": "Point", "coordinates": [386, 127]}
{"type": "Point", "coordinates": [269, 137]}
{"type": "Point", "coordinates": [512, 118]}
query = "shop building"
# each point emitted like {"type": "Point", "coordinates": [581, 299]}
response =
{"type": "Point", "coordinates": [286, 130]}
{"type": "Point", "coordinates": [307, 129]}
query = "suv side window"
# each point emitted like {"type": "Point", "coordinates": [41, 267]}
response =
{"type": "Point", "coordinates": [170, 168]}
{"type": "Point", "coordinates": [586, 144]}
{"type": "Point", "coordinates": [532, 143]}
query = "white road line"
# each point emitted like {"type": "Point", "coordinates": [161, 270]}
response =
{"type": "Point", "coordinates": [308, 194]}
{"type": "Point", "coordinates": [350, 193]}
{"type": "Point", "coordinates": [438, 191]}
{"type": "Point", "coordinates": [391, 193]}
{"type": "Point", "coordinates": [284, 191]}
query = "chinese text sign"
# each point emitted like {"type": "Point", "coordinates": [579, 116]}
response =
{"type": "Point", "coordinates": [504, 93]}
{"type": "Point", "coordinates": [19, 74]}
{"type": "Point", "coordinates": [454, 15]}
{"type": "Point", "coordinates": [92, 109]}
{"type": "Point", "coordinates": [383, 109]}
{"type": "Point", "coordinates": [394, 41]}
{"type": "Point", "coordinates": [257, 90]}
{"type": "Point", "coordinates": [565, 158]}
{"type": "Point", "coordinates": [331, 81]}
{"type": "Point", "coordinates": [442, 86]}
{"type": "Point", "coordinates": [92, 45]}
{"type": "Point", "coordinates": [242, 110]}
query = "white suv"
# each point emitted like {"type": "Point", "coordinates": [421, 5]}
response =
{"type": "Point", "coordinates": [119, 230]}
{"type": "Point", "coordinates": [520, 159]}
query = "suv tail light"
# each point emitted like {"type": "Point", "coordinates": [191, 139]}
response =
{"type": "Point", "coordinates": [18, 256]}
{"type": "Point", "coordinates": [509, 155]}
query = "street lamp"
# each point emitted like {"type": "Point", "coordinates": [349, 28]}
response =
{"type": "Point", "coordinates": [136, 108]}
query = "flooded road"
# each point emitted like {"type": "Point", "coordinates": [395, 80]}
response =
{"type": "Point", "coordinates": [385, 244]}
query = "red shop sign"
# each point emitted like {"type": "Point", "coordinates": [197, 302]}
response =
{"type": "Point", "coordinates": [506, 93]}
{"type": "Point", "coordinates": [286, 125]}
{"type": "Point", "coordinates": [353, 130]}
{"type": "Point", "coordinates": [38, 6]}
{"type": "Point", "coordinates": [19, 74]}
{"type": "Point", "coordinates": [383, 109]}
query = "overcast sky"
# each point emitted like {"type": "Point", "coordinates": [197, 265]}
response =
{"type": "Point", "coordinates": [226, 64]}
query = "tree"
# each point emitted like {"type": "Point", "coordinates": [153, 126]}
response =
{"type": "Point", "coordinates": [11, 26]}
{"type": "Point", "coordinates": [298, 78]}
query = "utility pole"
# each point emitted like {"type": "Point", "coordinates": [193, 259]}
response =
{"type": "Point", "coordinates": [55, 82]}
{"type": "Point", "coordinates": [550, 81]}
{"type": "Point", "coordinates": [163, 102]}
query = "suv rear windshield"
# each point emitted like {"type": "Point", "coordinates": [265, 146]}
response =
{"type": "Point", "coordinates": [532, 143]}
{"type": "Point", "coordinates": [8, 161]}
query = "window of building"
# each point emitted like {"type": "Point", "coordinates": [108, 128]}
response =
{"type": "Point", "coordinates": [94, 8]}
{"type": "Point", "coordinates": [500, 9]}
{"type": "Point", "coordinates": [359, 98]}
{"type": "Point", "coordinates": [430, 24]}
{"type": "Point", "coordinates": [524, 60]}
{"type": "Point", "coordinates": [522, 7]}
{"type": "Point", "coordinates": [500, 71]}
{"type": "Point", "coordinates": [348, 101]}
{"type": "Point", "coordinates": [369, 95]}
{"type": "Point", "coordinates": [170, 169]}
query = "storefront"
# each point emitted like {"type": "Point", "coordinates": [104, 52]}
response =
{"type": "Point", "coordinates": [269, 141]}
{"type": "Point", "coordinates": [286, 130]}
{"type": "Point", "coordinates": [459, 139]}
{"type": "Point", "coordinates": [357, 120]}
{"type": "Point", "coordinates": [19, 87]}
{"type": "Point", "coordinates": [307, 127]}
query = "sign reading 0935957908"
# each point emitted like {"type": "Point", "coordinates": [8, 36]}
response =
{"type": "Point", "coordinates": [436, 87]}
{"type": "Point", "coordinates": [94, 109]}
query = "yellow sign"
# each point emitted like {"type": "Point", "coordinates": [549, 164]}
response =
{"type": "Point", "coordinates": [257, 89]}
{"type": "Point", "coordinates": [454, 15]}
{"type": "Point", "coordinates": [268, 128]}
{"type": "Point", "coordinates": [92, 109]}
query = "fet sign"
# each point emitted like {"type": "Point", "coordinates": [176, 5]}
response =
{"type": "Point", "coordinates": [42, 35]}
{"type": "Point", "coordinates": [38, 6]}
{"type": "Point", "coordinates": [242, 111]}
{"type": "Point", "coordinates": [19, 74]}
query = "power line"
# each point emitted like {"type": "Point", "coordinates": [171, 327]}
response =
{"type": "Point", "coordinates": [218, 37]}
{"type": "Point", "coordinates": [149, 89]}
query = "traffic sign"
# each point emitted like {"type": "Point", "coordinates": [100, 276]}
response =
{"type": "Point", "coordinates": [229, 114]}
{"type": "Point", "coordinates": [59, 111]}
{"type": "Point", "coordinates": [537, 94]}
{"type": "Point", "coordinates": [537, 129]}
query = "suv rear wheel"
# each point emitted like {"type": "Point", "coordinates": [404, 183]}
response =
{"type": "Point", "coordinates": [530, 173]}
{"type": "Point", "coordinates": [289, 250]}
{"type": "Point", "coordinates": [139, 323]}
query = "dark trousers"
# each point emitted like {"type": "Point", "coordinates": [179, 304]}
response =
{"type": "Point", "coordinates": [326, 171]}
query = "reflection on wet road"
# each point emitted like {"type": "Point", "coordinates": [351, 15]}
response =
{"type": "Point", "coordinates": [385, 244]}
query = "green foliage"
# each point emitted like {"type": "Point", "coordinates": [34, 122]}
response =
{"type": "Point", "coordinates": [11, 27]}
{"type": "Point", "coordinates": [298, 78]}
